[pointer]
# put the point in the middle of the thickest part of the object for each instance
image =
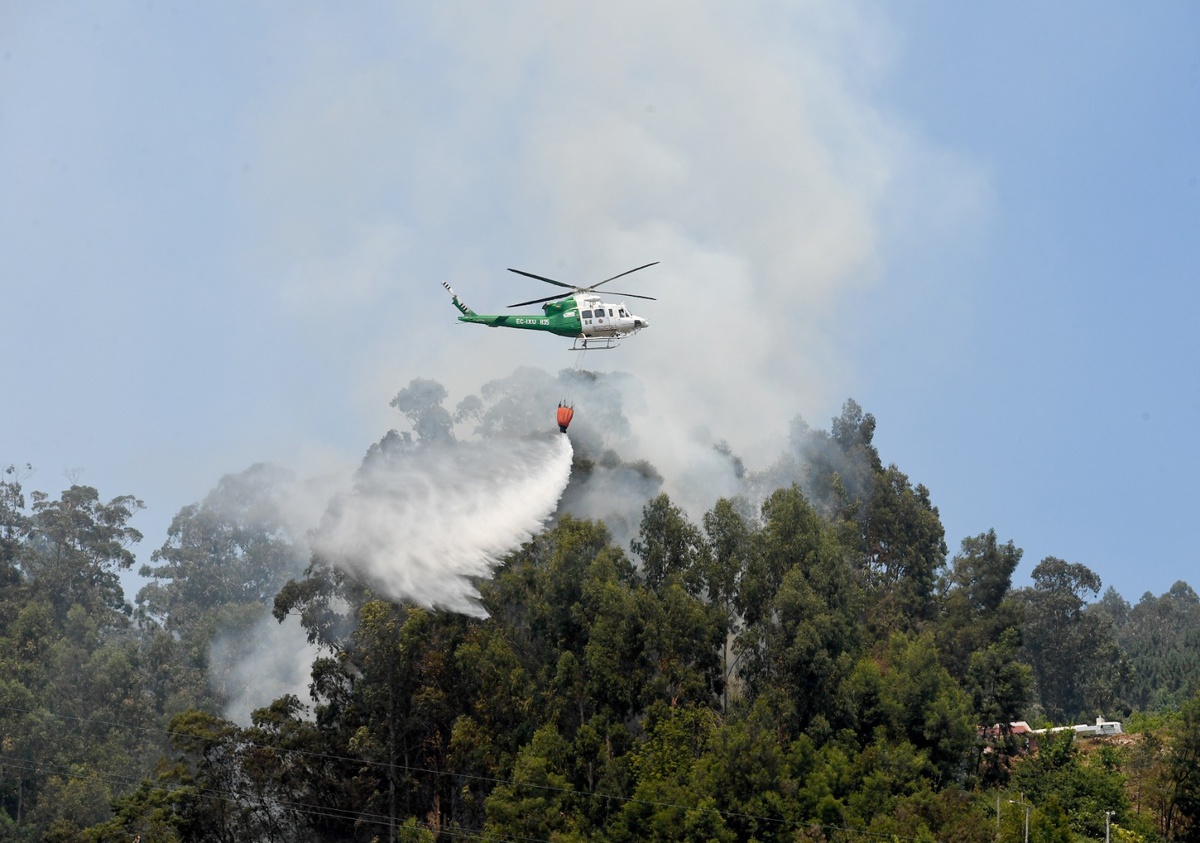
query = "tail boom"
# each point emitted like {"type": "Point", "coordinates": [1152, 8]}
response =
{"type": "Point", "coordinates": [462, 308]}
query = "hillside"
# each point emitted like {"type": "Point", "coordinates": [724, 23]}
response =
{"type": "Point", "coordinates": [800, 659]}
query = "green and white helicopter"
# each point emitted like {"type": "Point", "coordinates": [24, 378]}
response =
{"type": "Point", "coordinates": [582, 315]}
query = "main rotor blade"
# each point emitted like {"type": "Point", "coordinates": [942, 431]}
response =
{"type": "Point", "coordinates": [538, 301]}
{"type": "Point", "coordinates": [543, 278]}
{"type": "Point", "coordinates": [555, 298]}
{"type": "Point", "coordinates": [622, 275]}
{"type": "Point", "coordinates": [631, 295]}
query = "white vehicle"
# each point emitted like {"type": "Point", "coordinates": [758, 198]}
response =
{"type": "Point", "coordinates": [1101, 728]}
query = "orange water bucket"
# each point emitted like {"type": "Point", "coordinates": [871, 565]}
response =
{"type": "Point", "coordinates": [565, 414]}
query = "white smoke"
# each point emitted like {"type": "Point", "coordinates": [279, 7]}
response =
{"type": "Point", "coordinates": [420, 523]}
{"type": "Point", "coordinates": [420, 526]}
{"type": "Point", "coordinates": [744, 147]}
{"type": "Point", "coordinates": [268, 661]}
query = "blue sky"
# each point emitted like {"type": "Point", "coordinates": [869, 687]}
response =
{"type": "Point", "coordinates": [222, 230]}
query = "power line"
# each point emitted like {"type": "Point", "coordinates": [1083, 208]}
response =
{"type": "Point", "coordinates": [237, 798]}
{"type": "Point", "coordinates": [391, 766]}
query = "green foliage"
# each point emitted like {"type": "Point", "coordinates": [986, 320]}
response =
{"type": "Point", "coordinates": [1049, 824]}
{"type": "Point", "coordinates": [901, 551]}
{"type": "Point", "coordinates": [731, 541]}
{"type": "Point", "coordinates": [999, 682]}
{"type": "Point", "coordinates": [14, 526]}
{"type": "Point", "coordinates": [670, 547]}
{"type": "Point", "coordinates": [905, 695]}
{"type": "Point", "coordinates": [800, 604]}
{"type": "Point", "coordinates": [537, 803]}
{"type": "Point", "coordinates": [1181, 778]}
{"type": "Point", "coordinates": [218, 573]}
{"type": "Point", "coordinates": [978, 607]}
{"type": "Point", "coordinates": [1060, 777]}
{"type": "Point", "coordinates": [1160, 638]}
{"type": "Point", "coordinates": [1077, 665]}
{"type": "Point", "coordinates": [979, 634]}
{"type": "Point", "coordinates": [842, 465]}
{"type": "Point", "coordinates": [811, 671]}
{"type": "Point", "coordinates": [70, 664]}
{"type": "Point", "coordinates": [421, 403]}
{"type": "Point", "coordinates": [234, 548]}
{"type": "Point", "coordinates": [74, 549]}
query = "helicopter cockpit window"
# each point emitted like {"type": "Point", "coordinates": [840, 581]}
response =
{"type": "Point", "coordinates": [624, 312]}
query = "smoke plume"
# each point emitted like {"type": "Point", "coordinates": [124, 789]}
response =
{"type": "Point", "coordinates": [421, 524]}
{"type": "Point", "coordinates": [429, 513]}
{"type": "Point", "coordinates": [262, 664]}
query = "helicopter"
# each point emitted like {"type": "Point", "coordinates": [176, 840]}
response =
{"type": "Point", "coordinates": [581, 315]}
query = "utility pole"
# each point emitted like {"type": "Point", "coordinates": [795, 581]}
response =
{"type": "Point", "coordinates": [1107, 819]}
{"type": "Point", "coordinates": [1027, 808]}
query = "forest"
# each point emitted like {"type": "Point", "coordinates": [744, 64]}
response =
{"type": "Point", "coordinates": [804, 660]}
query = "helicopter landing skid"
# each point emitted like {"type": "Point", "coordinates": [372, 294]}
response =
{"type": "Point", "coordinates": [594, 343]}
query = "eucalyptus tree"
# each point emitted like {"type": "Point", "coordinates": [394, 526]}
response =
{"type": "Point", "coordinates": [1078, 669]}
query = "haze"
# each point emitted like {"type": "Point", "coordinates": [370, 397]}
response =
{"type": "Point", "coordinates": [223, 228]}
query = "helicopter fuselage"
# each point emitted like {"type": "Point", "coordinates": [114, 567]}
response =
{"type": "Point", "coordinates": [573, 316]}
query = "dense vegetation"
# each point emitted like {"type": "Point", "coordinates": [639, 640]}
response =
{"type": "Point", "coordinates": [810, 667]}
